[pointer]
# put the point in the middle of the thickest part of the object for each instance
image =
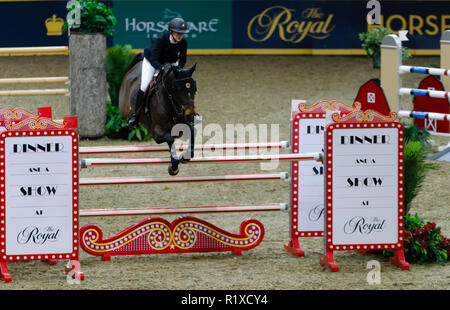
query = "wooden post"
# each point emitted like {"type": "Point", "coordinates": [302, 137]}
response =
{"type": "Point", "coordinates": [391, 60]}
{"type": "Point", "coordinates": [445, 58]}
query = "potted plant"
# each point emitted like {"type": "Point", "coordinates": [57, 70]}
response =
{"type": "Point", "coordinates": [88, 23]}
{"type": "Point", "coordinates": [371, 42]}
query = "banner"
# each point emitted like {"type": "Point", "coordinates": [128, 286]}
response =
{"type": "Point", "coordinates": [141, 22]}
{"type": "Point", "coordinates": [238, 26]}
{"type": "Point", "coordinates": [32, 23]}
{"type": "Point", "coordinates": [331, 25]}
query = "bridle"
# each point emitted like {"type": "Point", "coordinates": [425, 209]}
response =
{"type": "Point", "coordinates": [188, 85]}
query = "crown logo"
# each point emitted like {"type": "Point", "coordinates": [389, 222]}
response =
{"type": "Point", "coordinates": [54, 26]}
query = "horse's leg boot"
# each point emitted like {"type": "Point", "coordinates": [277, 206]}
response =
{"type": "Point", "coordinates": [133, 121]}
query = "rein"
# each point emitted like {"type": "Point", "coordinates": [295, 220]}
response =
{"type": "Point", "coordinates": [180, 84]}
{"type": "Point", "coordinates": [176, 108]}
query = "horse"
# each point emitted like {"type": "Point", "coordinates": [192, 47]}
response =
{"type": "Point", "coordinates": [168, 102]}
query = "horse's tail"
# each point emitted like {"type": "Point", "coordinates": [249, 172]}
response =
{"type": "Point", "coordinates": [139, 57]}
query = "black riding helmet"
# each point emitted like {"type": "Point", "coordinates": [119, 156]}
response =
{"type": "Point", "coordinates": [178, 25]}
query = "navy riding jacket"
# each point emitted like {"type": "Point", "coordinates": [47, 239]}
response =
{"type": "Point", "coordinates": [163, 51]}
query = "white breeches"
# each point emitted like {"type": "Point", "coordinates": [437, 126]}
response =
{"type": "Point", "coordinates": [148, 72]}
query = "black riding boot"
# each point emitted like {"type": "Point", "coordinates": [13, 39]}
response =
{"type": "Point", "coordinates": [133, 121]}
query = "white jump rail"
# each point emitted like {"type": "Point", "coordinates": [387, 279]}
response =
{"type": "Point", "coordinates": [424, 115]}
{"type": "Point", "coordinates": [34, 92]}
{"type": "Point", "coordinates": [183, 179]}
{"type": "Point", "coordinates": [30, 51]}
{"type": "Point", "coordinates": [180, 147]}
{"type": "Point", "coordinates": [424, 93]}
{"type": "Point", "coordinates": [184, 210]}
{"type": "Point", "coordinates": [35, 80]}
{"type": "Point", "coordinates": [424, 70]}
{"type": "Point", "coordinates": [86, 162]}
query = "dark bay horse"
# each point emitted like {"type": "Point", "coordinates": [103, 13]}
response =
{"type": "Point", "coordinates": [171, 103]}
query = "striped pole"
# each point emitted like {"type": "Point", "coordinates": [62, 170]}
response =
{"type": "Point", "coordinates": [200, 160]}
{"type": "Point", "coordinates": [180, 147]}
{"type": "Point", "coordinates": [424, 92]}
{"type": "Point", "coordinates": [424, 115]}
{"type": "Point", "coordinates": [185, 210]}
{"type": "Point", "coordinates": [183, 179]}
{"type": "Point", "coordinates": [424, 70]}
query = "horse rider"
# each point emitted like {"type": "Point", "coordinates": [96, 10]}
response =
{"type": "Point", "coordinates": [169, 48]}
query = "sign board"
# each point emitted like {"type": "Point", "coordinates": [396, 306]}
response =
{"type": "Point", "coordinates": [307, 189]}
{"type": "Point", "coordinates": [307, 194]}
{"type": "Point", "coordinates": [40, 196]}
{"type": "Point", "coordinates": [364, 189]}
{"type": "Point", "coordinates": [39, 182]}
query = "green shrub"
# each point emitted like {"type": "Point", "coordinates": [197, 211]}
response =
{"type": "Point", "coordinates": [94, 17]}
{"type": "Point", "coordinates": [423, 243]}
{"type": "Point", "coordinates": [415, 168]}
{"type": "Point", "coordinates": [118, 59]}
{"type": "Point", "coordinates": [371, 42]}
{"type": "Point", "coordinates": [140, 133]}
{"type": "Point", "coordinates": [414, 133]}
{"type": "Point", "coordinates": [116, 126]}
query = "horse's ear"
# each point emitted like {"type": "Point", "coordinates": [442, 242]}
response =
{"type": "Point", "coordinates": [192, 69]}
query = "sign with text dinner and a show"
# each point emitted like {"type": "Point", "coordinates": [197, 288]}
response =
{"type": "Point", "coordinates": [238, 26]}
{"type": "Point", "coordinates": [39, 217]}
{"type": "Point", "coordinates": [364, 188]}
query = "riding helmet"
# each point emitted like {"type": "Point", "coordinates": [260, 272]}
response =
{"type": "Point", "coordinates": [178, 25]}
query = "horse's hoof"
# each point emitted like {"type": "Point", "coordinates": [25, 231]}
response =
{"type": "Point", "coordinates": [183, 161]}
{"type": "Point", "coordinates": [172, 171]}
